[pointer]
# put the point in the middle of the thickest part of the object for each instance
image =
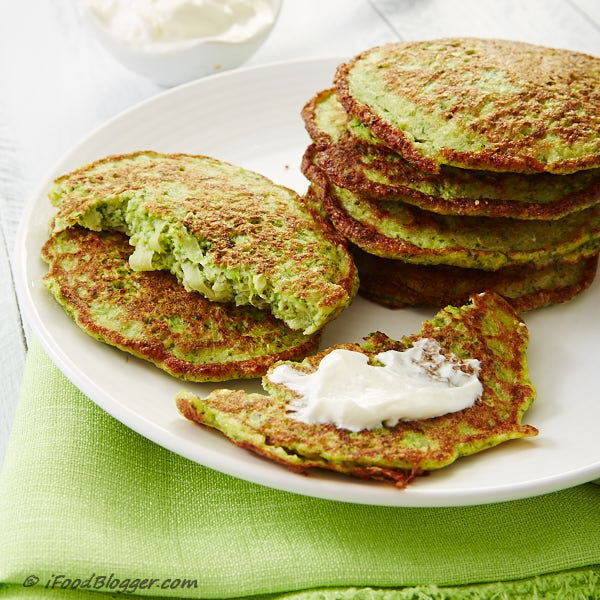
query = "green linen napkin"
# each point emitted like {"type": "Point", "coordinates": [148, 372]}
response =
{"type": "Point", "coordinates": [90, 509]}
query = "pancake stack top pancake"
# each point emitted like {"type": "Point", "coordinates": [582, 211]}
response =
{"type": "Point", "coordinates": [470, 161]}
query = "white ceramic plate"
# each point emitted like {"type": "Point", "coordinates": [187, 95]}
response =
{"type": "Point", "coordinates": [252, 118]}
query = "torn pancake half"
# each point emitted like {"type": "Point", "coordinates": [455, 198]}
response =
{"type": "Point", "coordinates": [487, 330]}
{"type": "Point", "coordinates": [224, 231]}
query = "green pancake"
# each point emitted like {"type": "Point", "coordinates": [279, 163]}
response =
{"type": "Point", "coordinates": [397, 284]}
{"type": "Point", "coordinates": [401, 231]}
{"type": "Point", "coordinates": [486, 104]}
{"type": "Point", "coordinates": [367, 168]}
{"type": "Point", "coordinates": [226, 232]}
{"type": "Point", "coordinates": [487, 329]}
{"type": "Point", "coordinates": [151, 316]}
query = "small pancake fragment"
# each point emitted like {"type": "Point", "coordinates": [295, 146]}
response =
{"type": "Point", "coordinates": [367, 168]}
{"type": "Point", "coordinates": [149, 315]}
{"type": "Point", "coordinates": [226, 232]}
{"type": "Point", "coordinates": [487, 104]}
{"type": "Point", "coordinates": [487, 329]}
{"type": "Point", "coordinates": [397, 284]}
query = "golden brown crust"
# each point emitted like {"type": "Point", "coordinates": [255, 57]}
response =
{"type": "Point", "coordinates": [519, 100]}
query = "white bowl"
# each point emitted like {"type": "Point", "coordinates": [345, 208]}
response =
{"type": "Point", "coordinates": [173, 64]}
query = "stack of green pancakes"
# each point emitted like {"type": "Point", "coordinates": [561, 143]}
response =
{"type": "Point", "coordinates": [458, 165]}
{"type": "Point", "coordinates": [205, 269]}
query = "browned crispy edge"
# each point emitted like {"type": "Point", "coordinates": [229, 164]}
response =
{"type": "Point", "coordinates": [398, 477]}
{"type": "Point", "coordinates": [531, 301]}
{"type": "Point", "coordinates": [392, 136]}
{"type": "Point", "coordinates": [308, 113]}
{"type": "Point", "coordinates": [358, 233]}
{"type": "Point", "coordinates": [558, 295]}
{"type": "Point", "coordinates": [356, 181]}
{"type": "Point", "coordinates": [366, 236]}
{"type": "Point", "coordinates": [348, 285]}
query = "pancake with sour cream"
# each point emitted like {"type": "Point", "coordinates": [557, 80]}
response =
{"type": "Point", "coordinates": [487, 331]}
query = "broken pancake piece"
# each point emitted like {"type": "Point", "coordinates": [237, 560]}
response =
{"type": "Point", "coordinates": [151, 316]}
{"type": "Point", "coordinates": [487, 330]}
{"type": "Point", "coordinates": [226, 232]}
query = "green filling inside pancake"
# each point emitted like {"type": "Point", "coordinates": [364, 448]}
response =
{"type": "Point", "coordinates": [226, 232]}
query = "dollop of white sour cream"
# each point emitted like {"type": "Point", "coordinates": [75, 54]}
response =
{"type": "Point", "coordinates": [348, 392]}
{"type": "Point", "coordinates": [164, 23]}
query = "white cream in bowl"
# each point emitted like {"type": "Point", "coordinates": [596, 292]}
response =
{"type": "Point", "coordinates": [172, 41]}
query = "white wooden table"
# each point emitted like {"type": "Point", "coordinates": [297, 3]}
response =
{"type": "Point", "coordinates": [57, 84]}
